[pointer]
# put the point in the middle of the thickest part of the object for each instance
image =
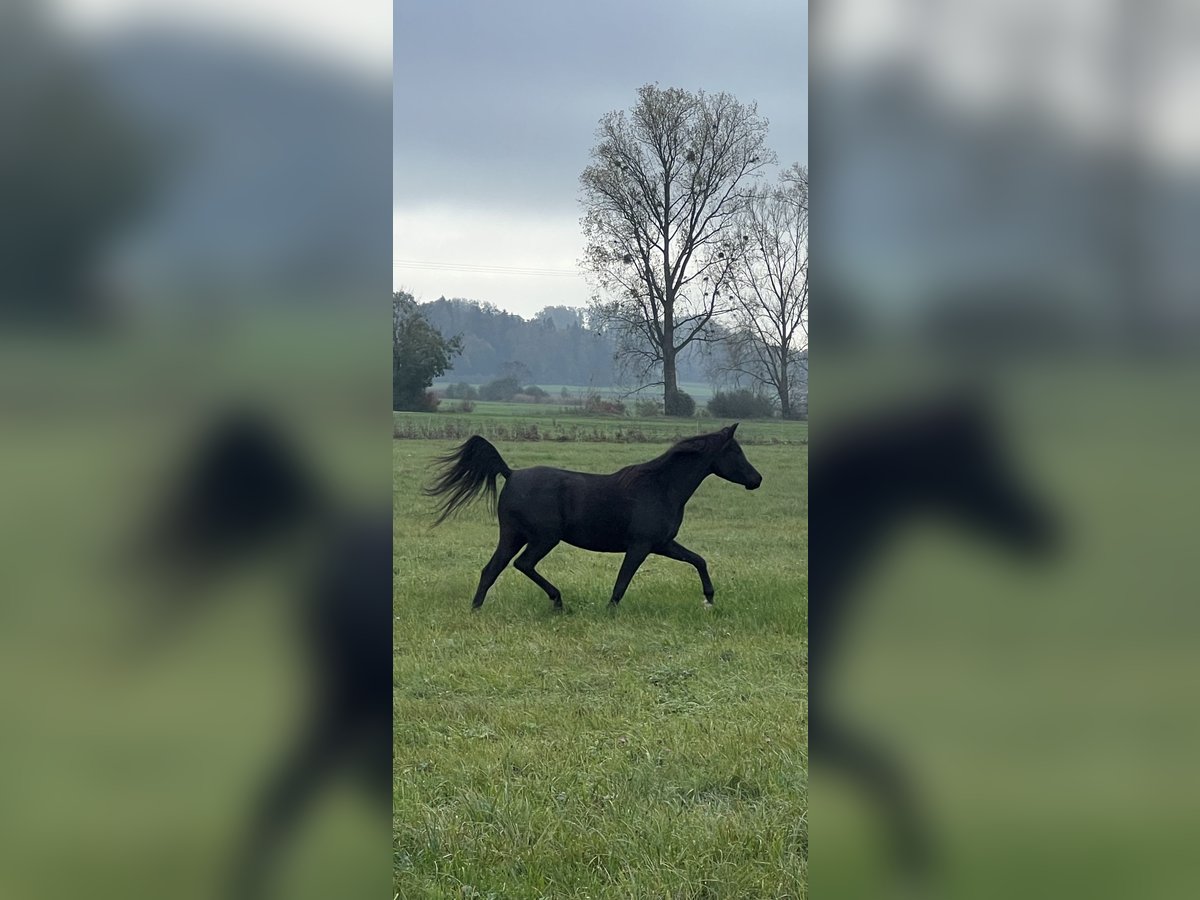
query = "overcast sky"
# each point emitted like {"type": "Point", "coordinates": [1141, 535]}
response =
{"type": "Point", "coordinates": [495, 111]}
{"type": "Point", "coordinates": [350, 34]}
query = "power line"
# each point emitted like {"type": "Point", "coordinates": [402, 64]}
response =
{"type": "Point", "coordinates": [483, 270]}
{"type": "Point", "coordinates": [475, 269]}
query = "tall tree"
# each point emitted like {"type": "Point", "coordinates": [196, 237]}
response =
{"type": "Point", "coordinates": [419, 353]}
{"type": "Point", "coordinates": [662, 196]}
{"type": "Point", "coordinates": [769, 339]}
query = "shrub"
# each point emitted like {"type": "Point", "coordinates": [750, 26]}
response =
{"type": "Point", "coordinates": [500, 389]}
{"type": "Point", "coordinates": [648, 407]}
{"type": "Point", "coordinates": [597, 405]}
{"type": "Point", "coordinates": [740, 404]}
{"type": "Point", "coordinates": [536, 392]}
{"type": "Point", "coordinates": [524, 398]}
{"type": "Point", "coordinates": [466, 406]}
{"type": "Point", "coordinates": [679, 403]}
{"type": "Point", "coordinates": [429, 402]}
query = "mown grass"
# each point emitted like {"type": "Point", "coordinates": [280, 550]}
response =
{"type": "Point", "coordinates": [660, 751]}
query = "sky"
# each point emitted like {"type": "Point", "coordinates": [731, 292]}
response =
{"type": "Point", "coordinates": [495, 107]}
{"type": "Point", "coordinates": [351, 34]}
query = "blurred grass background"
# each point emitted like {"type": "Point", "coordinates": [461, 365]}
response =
{"type": "Point", "coordinates": [1043, 713]}
{"type": "Point", "coordinates": [131, 758]}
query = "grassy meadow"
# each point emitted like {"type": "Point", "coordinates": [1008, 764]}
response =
{"type": "Point", "coordinates": [659, 751]}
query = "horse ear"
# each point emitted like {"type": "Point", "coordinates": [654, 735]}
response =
{"type": "Point", "coordinates": [730, 429]}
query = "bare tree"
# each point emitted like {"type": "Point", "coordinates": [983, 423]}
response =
{"type": "Point", "coordinates": [769, 338]}
{"type": "Point", "coordinates": [662, 196]}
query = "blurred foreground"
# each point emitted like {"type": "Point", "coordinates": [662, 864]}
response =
{"type": "Point", "coordinates": [1009, 206]}
{"type": "Point", "coordinates": [192, 225]}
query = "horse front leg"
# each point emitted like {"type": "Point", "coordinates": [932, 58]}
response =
{"type": "Point", "coordinates": [676, 550]}
{"type": "Point", "coordinates": [634, 557]}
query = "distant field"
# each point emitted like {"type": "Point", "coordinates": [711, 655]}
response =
{"type": "Point", "coordinates": [657, 752]}
{"type": "Point", "coordinates": [548, 422]}
{"type": "Point", "coordinates": [699, 391]}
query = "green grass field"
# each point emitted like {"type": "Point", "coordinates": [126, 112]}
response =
{"type": "Point", "coordinates": [658, 752]}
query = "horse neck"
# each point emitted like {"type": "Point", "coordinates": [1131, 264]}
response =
{"type": "Point", "coordinates": [682, 476]}
{"type": "Point", "coordinates": [862, 497]}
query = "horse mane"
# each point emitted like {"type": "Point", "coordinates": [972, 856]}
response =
{"type": "Point", "coordinates": [688, 446]}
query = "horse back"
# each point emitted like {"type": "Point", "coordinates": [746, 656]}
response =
{"type": "Point", "coordinates": [587, 510]}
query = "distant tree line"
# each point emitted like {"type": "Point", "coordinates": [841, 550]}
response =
{"type": "Point", "coordinates": [558, 345]}
{"type": "Point", "coordinates": [430, 341]}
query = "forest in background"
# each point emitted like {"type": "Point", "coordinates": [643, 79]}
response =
{"type": "Point", "coordinates": [558, 345]}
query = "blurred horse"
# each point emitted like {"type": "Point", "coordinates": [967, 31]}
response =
{"type": "Point", "coordinates": [941, 458]}
{"type": "Point", "coordinates": [244, 494]}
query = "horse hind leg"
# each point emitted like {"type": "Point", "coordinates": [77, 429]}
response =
{"type": "Point", "coordinates": [535, 553]}
{"type": "Point", "coordinates": [510, 542]}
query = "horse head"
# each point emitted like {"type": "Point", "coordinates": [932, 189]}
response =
{"type": "Point", "coordinates": [969, 477]}
{"type": "Point", "coordinates": [730, 462]}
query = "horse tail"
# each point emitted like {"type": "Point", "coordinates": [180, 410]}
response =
{"type": "Point", "coordinates": [465, 473]}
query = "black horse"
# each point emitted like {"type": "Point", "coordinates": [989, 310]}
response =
{"type": "Point", "coordinates": [636, 510]}
{"type": "Point", "coordinates": [866, 478]}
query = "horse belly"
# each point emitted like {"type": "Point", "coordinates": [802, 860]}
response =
{"type": "Point", "coordinates": [596, 527]}
{"type": "Point", "coordinates": [597, 543]}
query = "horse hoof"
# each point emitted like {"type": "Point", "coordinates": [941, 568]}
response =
{"type": "Point", "coordinates": [708, 604]}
